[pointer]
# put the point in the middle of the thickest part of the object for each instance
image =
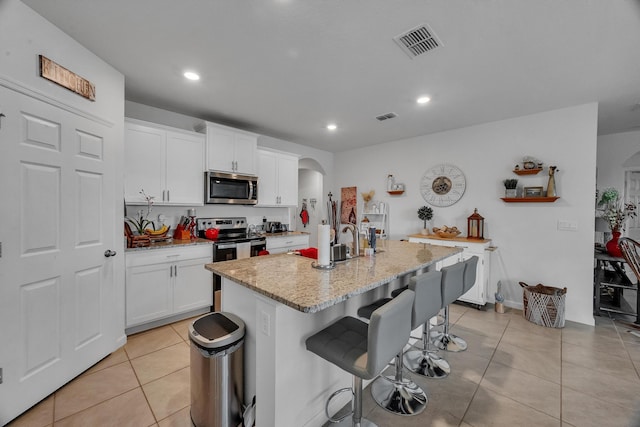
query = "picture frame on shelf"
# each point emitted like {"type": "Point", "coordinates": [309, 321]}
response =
{"type": "Point", "coordinates": [533, 191]}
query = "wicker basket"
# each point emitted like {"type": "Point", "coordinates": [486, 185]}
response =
{"type": "Point", "coordinates": [544, 305]}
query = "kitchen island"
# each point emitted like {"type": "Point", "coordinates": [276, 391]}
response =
{"type": "Point", "coordinates": [283, 300]}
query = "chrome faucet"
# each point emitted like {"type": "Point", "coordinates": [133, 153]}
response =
{"type": "Point", "coordinates": [356, 239]}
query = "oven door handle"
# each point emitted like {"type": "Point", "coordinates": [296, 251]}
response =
{"type": "Point", "coordinates": [226, 246]}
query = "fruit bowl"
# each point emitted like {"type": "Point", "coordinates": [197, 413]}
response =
{"type": "Point", "coordinates": [446, 232]}
{"type": "Point", "coordinates": [157, 234]}
{"type": "Point", "coordinates": [448, 235]}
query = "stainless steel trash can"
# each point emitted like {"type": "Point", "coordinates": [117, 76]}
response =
{"type": "Point", "coordinates": [217, 370]}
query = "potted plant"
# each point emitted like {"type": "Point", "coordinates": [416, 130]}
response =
{"type": "Point", "coordinates": [510, 186]}
{"type": "Point", "coordinates": [141, 221]}
{"type": "Point", "coordinates": [425, 213]}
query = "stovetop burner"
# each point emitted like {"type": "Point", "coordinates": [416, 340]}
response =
{"type": "Point", "coordinates": [229, 229]}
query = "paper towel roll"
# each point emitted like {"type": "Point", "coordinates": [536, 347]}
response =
{"type": "Point", "coordinates": [323, 245]}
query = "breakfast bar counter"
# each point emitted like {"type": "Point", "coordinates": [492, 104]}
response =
{"type": "Point", "coordinates": [291, 280]}
{"type": "Point", "coordinates": [283, 300]}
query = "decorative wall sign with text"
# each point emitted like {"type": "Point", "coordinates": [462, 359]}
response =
{"type": "Point", "coordinates": [67, 79]}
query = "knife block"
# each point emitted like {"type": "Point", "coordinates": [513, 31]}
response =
{"type": "Point", "coordinates": [182, 235]}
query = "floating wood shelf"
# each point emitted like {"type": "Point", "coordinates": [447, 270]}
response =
{"type": "Point", "coordinates": [395, 192]}
{"type": "Point", "coordinates": [529, 199]}
{"type": "Point", "coordinates": [527, 171]}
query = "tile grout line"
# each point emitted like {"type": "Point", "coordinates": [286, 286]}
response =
{"type": "Point", "coordinates": [483, 374]}
{"type": "Point", "coordinates": [98, 403]}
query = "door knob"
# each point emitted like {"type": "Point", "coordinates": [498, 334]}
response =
{"type": "Point", "coordinates": [109, 253]}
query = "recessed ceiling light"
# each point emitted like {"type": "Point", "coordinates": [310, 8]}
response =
{"type": "Point", "coordinates": [191, 75]}
{"type": "Point", "coordinates": [332, 126]}
{"type": "Point", "coordinates": [423, 100]}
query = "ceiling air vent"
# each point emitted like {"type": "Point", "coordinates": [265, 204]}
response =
{"type": "Point", "coordinates": [387, 116]}
{"type": "Point", "coordinates": [417, 41]}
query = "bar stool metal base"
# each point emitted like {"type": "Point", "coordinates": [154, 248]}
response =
{"type": "Point", "coordinates": [448, 342]}
{"type": "Point", "coordinates": [426, 363]}
{"type": "Point", "coordinates": [399, 397]}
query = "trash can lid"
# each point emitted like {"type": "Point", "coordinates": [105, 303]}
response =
{"type": "Point", "coordinates": [218, 329]}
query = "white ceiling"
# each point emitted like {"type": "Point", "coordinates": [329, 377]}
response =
{"type": "Point", "coordinates": [286, 68]}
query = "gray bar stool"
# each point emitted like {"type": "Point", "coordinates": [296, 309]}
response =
{"type": "Point", "coordinates": [470, 271]}
{"type": "Point", "coordinates": [452, 286]}
{"type": "Point", "coordinates": [365, 350]}
{"type": "Point", "coordinates": [396, 393]}
{"type": "Point", "coordinates": [427, 304]}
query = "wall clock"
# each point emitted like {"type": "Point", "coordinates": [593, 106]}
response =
{"type": "Point", "coordinates": [442, 185]}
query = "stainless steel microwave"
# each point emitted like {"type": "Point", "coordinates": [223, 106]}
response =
{"type": "Point", "coordinates": [230, 188]}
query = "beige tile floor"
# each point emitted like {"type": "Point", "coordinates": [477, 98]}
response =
{"type": "Point", "coordinates": [513, 374]}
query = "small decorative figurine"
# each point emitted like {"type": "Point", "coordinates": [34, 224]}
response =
{"type": "Point", "coordinates": [551, 186]}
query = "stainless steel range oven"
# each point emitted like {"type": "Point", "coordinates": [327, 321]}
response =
{"type": "Point", "coordinates": [232, 242]}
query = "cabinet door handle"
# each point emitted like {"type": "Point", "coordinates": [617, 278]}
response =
{"type": "Point", "coordinates": [171, 271]}
{"type": "Point", "coordinates": [175, 271]}
{"type": "Point", "coordinates": [168, 197]}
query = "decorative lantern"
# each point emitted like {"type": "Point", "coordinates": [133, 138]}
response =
{"type": "Point", "coordinates": [475, 226]}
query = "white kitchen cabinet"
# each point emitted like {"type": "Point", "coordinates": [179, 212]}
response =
{"type": "Point", "coordinates": [161, 283]}
{"type": "Point", "coordinates": [230, 150]}
{"type": "Point", "coordinates": [471, 247]}
{"type": "Point", "coordinates": [277, 179]}
{"type": "Point", "coordinates": [286, 243]}
{"type": "Point", "coordinates": [166, 163]}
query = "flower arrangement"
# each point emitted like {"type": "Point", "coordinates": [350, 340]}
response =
{"type": "Point", "coordinates": [425, 213]}
{"type": "Point", "coordinates": [142, 221]}
{"type": "Point", "coordinates": [615, 211]}
{"type": "Point", "coordinates": [367, 197]}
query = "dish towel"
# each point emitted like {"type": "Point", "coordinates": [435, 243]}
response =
{"type": "Point", "coordinates": [304, 215]}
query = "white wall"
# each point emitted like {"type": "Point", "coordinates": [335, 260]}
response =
{"type": "Point", "coordinates": [530, 246]}
{"type": "Point", "coordinates": [614, 153]}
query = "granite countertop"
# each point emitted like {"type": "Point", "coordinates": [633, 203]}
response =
{"type": "Point", "coordinates": [171, 244]}
{"type": "Point", "coordinates": [291, 280]}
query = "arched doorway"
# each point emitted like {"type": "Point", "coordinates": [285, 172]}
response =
{"type": "Point", "coordinates": [310, 191]}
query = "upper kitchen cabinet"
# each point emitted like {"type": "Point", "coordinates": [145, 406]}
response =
{"type": "Point", "coordinates": [166, 163]}
{"type": "Point", "coordinates": [230, 150]}
{"type": "Point", "coordinates": [277, 179]}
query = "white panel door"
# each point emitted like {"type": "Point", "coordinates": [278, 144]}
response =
{"type": "Point", "coordinates": [58, 302]}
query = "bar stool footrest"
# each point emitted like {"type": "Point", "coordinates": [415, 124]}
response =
{"type": "Point", "coordinates": [334, 395]}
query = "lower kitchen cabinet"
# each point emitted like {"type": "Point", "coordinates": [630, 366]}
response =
{"type": "Point", "coordinates": [282, 244]}
{"type": "Point", "coordinates": [161, 283]}
{"type": "Point", "coordinates": [471, 247]}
